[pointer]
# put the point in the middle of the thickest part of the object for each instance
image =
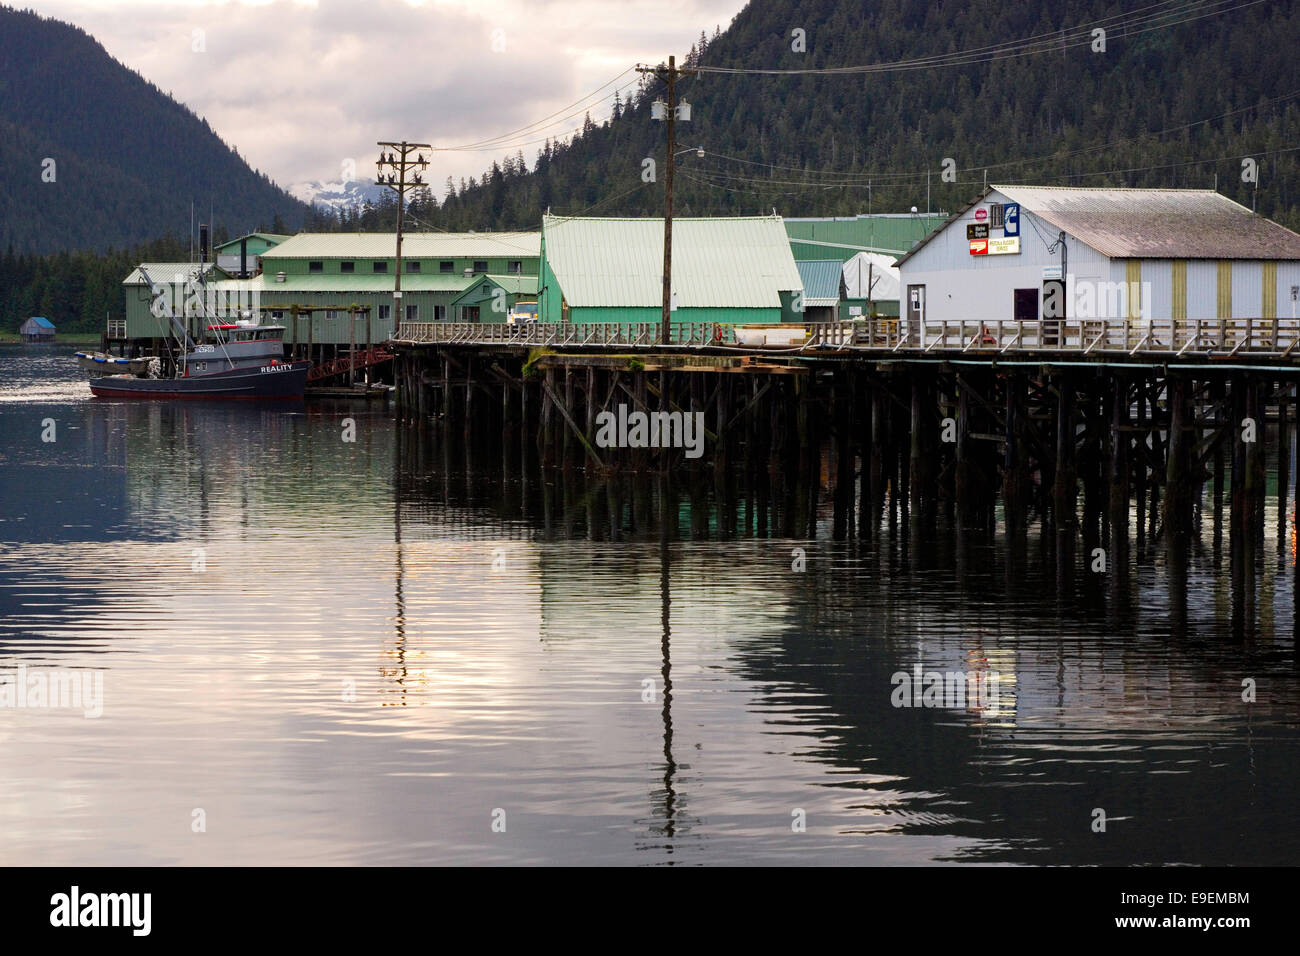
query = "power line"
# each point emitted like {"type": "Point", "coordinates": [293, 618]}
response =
{"type": "Point", "coordinates": [532, 127]}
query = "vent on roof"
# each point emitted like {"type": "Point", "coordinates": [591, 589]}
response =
{"type": "Point", "coordinates": [279, 277]}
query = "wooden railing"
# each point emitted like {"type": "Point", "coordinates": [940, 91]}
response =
{"type": "Point", "coordinates": [567, 334]}
{"type": "Point", "coordinates": [1164, 338]}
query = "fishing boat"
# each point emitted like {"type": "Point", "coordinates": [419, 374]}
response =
{"type": "Point", "coordinates": [242, 359]}
{"type": "Point", "coordinates": [237, 360]}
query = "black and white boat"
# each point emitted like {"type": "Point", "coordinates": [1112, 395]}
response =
{"type": "Point", "coordinates": [238, 360]}
{"type": "Point", "coordinates": [241, 359]}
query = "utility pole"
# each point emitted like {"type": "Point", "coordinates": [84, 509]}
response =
{"type": "Point", "coordinates": [668, 112]}
{"type": "Point", "coordinates": [398, 160]}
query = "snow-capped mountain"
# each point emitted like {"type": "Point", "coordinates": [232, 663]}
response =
{"type": "Point", "coordinates": [339, 194]}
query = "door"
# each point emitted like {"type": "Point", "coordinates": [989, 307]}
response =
{"type": "Point", "coordinates": [1025, 305]}
{"type": "Point", "coordinates": [915, 313]}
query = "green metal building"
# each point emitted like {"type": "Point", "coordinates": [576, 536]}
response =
{"type": "Point", "coordinates": [176, 288]}
{"type": "Point", "coordinates": [336, 288]}
{"type": "Point", "coordinates": [490, 298]}
{"type": "Point", "coordinates": [242, 256]}
{"type": "Point", "coordinates": [330, 273]}
{"type": "Point", "coordinates": [736, 270]}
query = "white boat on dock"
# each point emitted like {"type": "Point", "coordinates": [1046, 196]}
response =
{"type": "Point", "coordinates": [771, 336]}
{"type": "Point", "coordinates": [102, 363]}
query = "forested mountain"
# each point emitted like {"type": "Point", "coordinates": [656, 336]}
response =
{"type": "Point", "coordinates": [814, 144]}
{"type": "Point", "coordinates": [127, 159]}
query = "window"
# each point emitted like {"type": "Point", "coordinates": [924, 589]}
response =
{"type": "Point", "coordinates": [331, 314]}
{"type": "Point", "coordinates": [515, 268]}
{"type": "Point", "coordinates": [315, 266]}
{"type": "Point", "coordinates": [412, 313]}
{"type": "Point", "coordinates": [277, 315]}
{"type": "Point", "coordinates": [412, 265]}
{"type": "Point", "coordinates": [480, 265]}
{"type": "Point", "coordinates": [470, 313]}
{"type": "Point", "coordinates": [997, 215]}
{"type": "Point", "coordinates": [381, 266]}
{"type": "Point", "coordinates": [385, 313]}
{"type": "Point", "coordinates": [446, 265]}
{"type": "Point", "coordinates": [440, 313]}
{"type": "Point", "coordinates": [346, 267]}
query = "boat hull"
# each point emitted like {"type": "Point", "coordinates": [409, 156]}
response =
{"type": "Point", "coordinates": [282, 382]}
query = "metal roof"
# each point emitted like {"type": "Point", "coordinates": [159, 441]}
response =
{"type": "Point", "coordinates": [842, 237]}
{"type": "Point", "coordinates": [415, 245]}
{"type": "Point", "coordinates": [271, 237]}
{"type": "Point", "coordinates": [1158, 223]}
{"type": "Point", "coordinates": [511, 285]}
{"type": "Point", "coordinates": [721, 263]}
{"type": "Point", "coordinates": [821, 281]}
{"type": "Point", "coordinates": [42, 321]}
{"type": "Point", "coordinates": [166, 272]}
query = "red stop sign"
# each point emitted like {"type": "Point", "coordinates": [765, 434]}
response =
{"type": "Point", "coordinates": [981, 214]}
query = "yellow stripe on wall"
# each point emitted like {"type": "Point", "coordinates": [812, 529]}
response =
{"type": "Point", "coordinates": [1133, 277]}
{"type": "Point", "coordinates": [1225, 289]}
{"type": "Point", "coordinates": [1269, 296]}
{"type": "Point", "coordinates": [1179, 303]}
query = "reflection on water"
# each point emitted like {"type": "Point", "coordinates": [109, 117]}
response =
{"type": "Point", "coordinates": [340, 663]}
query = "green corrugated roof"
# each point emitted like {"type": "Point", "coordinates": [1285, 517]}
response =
{"type": "Point", "coordinates": [844, 238]}
{"type": "Point", "coordinates": [515, 285]}
{"type": "Point", "coordinates": [271, 237]}
{"type": "Point", "coordinates": [511, 285]}
{"type": "Point", "coordinates": [166, 272]}
{"type": "Point", "coordinates": [415, 245]}
{"type": "Point", "coordinates": [821, 280]}
{"type": "Point", "coordinates": [717, 263]}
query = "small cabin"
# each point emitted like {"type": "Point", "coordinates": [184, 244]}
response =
{"type": "Point", "coordinates": [37, 329]}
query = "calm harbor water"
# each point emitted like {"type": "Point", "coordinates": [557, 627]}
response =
{"type": "Point", "coordinates": [325, 658]}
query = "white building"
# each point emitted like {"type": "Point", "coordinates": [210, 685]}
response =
{"type": "Point", "coordinates": [1020, 252]}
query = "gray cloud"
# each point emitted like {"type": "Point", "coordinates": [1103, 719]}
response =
{"type": "Point", "coordinates": [300, 87]}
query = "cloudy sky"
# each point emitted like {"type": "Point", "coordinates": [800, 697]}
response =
{"type": "Point", "coordinates": [300, 87]}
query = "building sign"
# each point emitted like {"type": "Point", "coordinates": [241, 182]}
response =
{"type": "Point", "coordinates": [977, 231]}
{"type": "Point", "coordinates": [995, 247]}
{"type": "Point", "coordinates": [1011, 219]}
{"type": "Point", "coordinates": [981, 214]}
{"type": "Point", "coordinates": [1051, 272]}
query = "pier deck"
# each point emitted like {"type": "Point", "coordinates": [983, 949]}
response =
{"type": "Point", "coordinates": [1248, 340]}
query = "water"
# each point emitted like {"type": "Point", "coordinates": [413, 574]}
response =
{"type": "Point", "coordinates": [323, 660]}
